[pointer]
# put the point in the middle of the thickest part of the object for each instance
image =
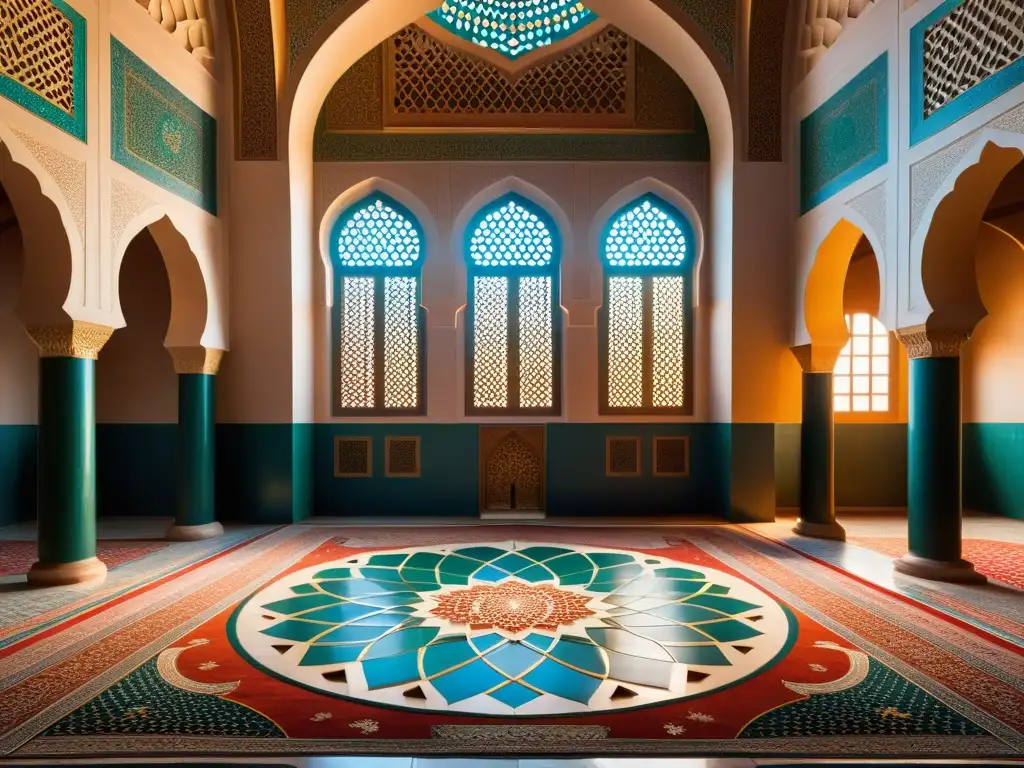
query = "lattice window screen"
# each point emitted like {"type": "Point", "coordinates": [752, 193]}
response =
{"type": "Point", "coordinates": [37, 50]}
{"type": "Point", "coordinates": [403, 457]}
{"type": "Point", "coordinates": [427, 78]}
{"type": "Point", "coordinates": [669, 346]}
{"type": "Point", "coordinates": [352, 457]}
{"type": "Point", "coordinates": [356, 343]}
{"type": "Point", "coordinates": [401, 343]}
{"type": "Point", "coordinates": [622, 456]}
{"type": "Point", "coordinates": [672, 456]}
{"type": "Point", "coordinates": [536, 343]}
{"type": "Point", "coordinates": [626, 342]}
{"type": "Point", "coordinates": [490, 342]}
{"type": "Point", "coordinates": [973, 42]}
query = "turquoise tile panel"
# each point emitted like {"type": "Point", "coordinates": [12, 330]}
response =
{"type": "Point", "coordinates": [513, 659]}
{"type": "Point", "coordinates": [922, 125]}
{"type": "Point", "coordinates": [468, 681]}
{"type": "Point", "coordinates": [71, 120]}
{"type": "Point", "coordinates": [17, 473]}
{"type": "Point", "coordinates": [318, 655]}
{"type": "Point", "coordinates": [443, 656]}
{"type": "Point", "coordinates": [847, 137]}
{"type": "Point", "coordinates": [158, 133]}
{"type": "Point", "coordinates": [555, 678]}
{"type": "Point", "coordinates": [514, 695]}
{"type": "Point", "coordinates": [993, 457]}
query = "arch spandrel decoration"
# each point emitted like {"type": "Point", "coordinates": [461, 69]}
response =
{"type": "Point", "coordinates": [513, 27]}
{"type": "Point", "coordinates": [377, 248]}
{"type": "Point", "coordinates": [648, 251]}
{"type": "Point", "coordinates": [513, 339]}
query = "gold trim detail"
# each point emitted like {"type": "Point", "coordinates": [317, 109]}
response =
{"type": "Point", "coordinates": [920, 341]}
{"type": "Point", "coordinates": [196, 359]}
{"type": "Point", "coordinates": [79, 339]}
{"type": "Point", "coordinates": [816, 358]}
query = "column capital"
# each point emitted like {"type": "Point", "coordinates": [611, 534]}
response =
{"type": "Point", "coordinates": [196, 359]}
{"type": "Point", "coordinates": [77, 339]}
{"type": "Point", "coordinates": [816, 358]}
{"type": "Point", "coordinates": [922, 341]}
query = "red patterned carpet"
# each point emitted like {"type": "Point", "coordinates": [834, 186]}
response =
{"type": "Point", "coordinates": [999, 560]}
{"type": "Point", "coordinates": [512, 641]}
{"type": "Point", "coordinates": [18, 556]}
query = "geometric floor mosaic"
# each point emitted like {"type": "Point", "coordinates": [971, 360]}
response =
{"type": "Point", "coordinates": [18, 556]}
{"type": "Point", "coordinates": [513, 641]}
{"type": "Point", "coordinates": [512, 628]}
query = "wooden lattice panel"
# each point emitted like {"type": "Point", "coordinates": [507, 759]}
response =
{"type": "Point", "coordinates": [970, 44]}
{"type": "Point", "coordinates": [37, 50]}
{"type": "Point", "coordinates": [432, 83]}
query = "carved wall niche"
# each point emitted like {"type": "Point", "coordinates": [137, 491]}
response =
{"type": "Point", "coordinates": [512, 469]}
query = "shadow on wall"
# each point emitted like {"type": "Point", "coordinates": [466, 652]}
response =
{"type": "Point", "coordinates": [136, 394]}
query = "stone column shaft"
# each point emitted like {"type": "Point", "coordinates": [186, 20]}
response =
{"type": "Point", "coordinates": [817, 446]}
{"type": "Point", "coordinates": [66, 504]}
{"type": "Point", "coordinates": [934, 468]}
{"type": "Point", "coordinates": [195, 516]}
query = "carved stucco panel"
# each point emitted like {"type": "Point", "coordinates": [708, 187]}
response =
{"type": "Point", "coordinates": [928, 175]}
{"type": "Point", "coordinates": [873, 205]}
{"type": "Point", "coordinates": [68, 174]}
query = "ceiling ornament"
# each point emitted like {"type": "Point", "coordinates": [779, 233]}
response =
{"type": "Point", "coordinates": [513, 27]}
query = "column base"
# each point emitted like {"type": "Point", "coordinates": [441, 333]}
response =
{"type": "Point", "coordinates": [955, 571]}
{"type": "Point", "coordinates": [831, 530]}
{"type": "Point", "coordinates": [63, 574]}
{"type": "Point", "coordinates": [194, 532]}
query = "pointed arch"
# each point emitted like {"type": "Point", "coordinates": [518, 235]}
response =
{"type": "Point", "coordinates": [943, 246]}
{"type": "Point", "coordinates": [195, 286]}
{"type": "Point", "coordinates": [376, 185]}
{"type": "Point", "coordinates": [652, 186]}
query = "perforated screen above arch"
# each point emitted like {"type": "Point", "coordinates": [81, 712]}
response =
{"type": "Point", "coordinates": [377, 233]}
{"type": "Point", "coordinates": [512, 232]}
{"type": "Point", "coordinates": [513, 27]}
{"type": "Point", "coordinates": [648, 233]}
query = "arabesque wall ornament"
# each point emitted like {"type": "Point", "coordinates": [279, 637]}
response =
{"type": "Point", "coordinates": [921, 341]}
{"type": "Point", "coordinates": [196, 360]}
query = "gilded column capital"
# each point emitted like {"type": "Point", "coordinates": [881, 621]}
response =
{"type": "Point", "coordinates": [196, 359]}
{"type": "Point", "coordinates": [77, 339]}
{"type": "Point", "coordinates": [921, 341]}
{"type": "Point", "coordinates": [816, 358]}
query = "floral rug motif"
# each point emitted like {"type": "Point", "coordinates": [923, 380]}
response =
{"type": "Point", "coordinates": [18, 556]}
{"type": "Point", "coordinates": [524, 646]}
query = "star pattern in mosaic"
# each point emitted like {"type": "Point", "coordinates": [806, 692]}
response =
{"type": "Point", "coordinates": [513, 27]}
{"type": "Point", "coordinates": [377, 235]}
{"type": "Point", "coordinates": [512, 236]}
{"type": "Point", "coordinates": [646, 235]}
{"type": "Point", "coordinates": [511, 628]}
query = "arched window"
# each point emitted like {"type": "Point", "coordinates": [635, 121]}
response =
{"type": "Point", "coordinates": [861, 378]}
{"type": "Point", "coordinates": [377, 249]}
{"type": "Point", "coordinates": [513, 333]}
{"type": "Point", "coordinates": [648, 252]}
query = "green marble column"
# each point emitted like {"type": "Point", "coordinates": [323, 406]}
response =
{"type": "Point", "coordinates": [195, 516]}
{"type": "Point", "coordinates": [66, 501]}
{"type": "Point", "coordinates": [817, 460]}
{"type": "Point", "coordinates": [934, 493]}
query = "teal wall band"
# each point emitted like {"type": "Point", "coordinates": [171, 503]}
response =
{"type": "Point", "coordinates": [195, 449]}
{"type": "Point", "coordinates": [66, 501]}
{"type": "Point", "coordinates": [933, 458]}
{"type": "Point", "coordinates": [817, 451]}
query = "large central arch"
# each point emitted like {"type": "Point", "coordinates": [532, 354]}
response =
{"type": "Point", "coordinates": [362, 24]}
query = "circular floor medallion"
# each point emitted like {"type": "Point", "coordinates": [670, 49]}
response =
{"type": "Point", "coordinates": [511, 628]}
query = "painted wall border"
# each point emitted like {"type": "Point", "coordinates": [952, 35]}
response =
{"type": "Point", "coordinates": [121, 60]}
{"type": "Point", "coordinates": [877, 71]}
